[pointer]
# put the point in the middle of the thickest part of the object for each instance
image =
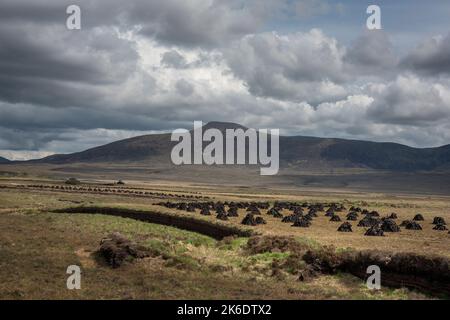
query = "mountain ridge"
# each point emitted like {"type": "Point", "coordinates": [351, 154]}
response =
{"type": "Point", "coordinates": [294, 151]}
{"type": "Point", "coordinates": [4, 160]}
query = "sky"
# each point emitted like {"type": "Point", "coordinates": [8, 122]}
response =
{"type": "Point", "coordinates": [306, 67]}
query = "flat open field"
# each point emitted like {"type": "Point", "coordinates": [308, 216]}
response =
{"type": "Point", "coordinates": [37, 244]}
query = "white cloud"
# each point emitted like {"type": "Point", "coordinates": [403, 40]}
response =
{"type": "Point", "coordinates": [15, 155]}
{"type": "Point", "coordinates": [298, 67]}
{"type": "Point", "coordinates": [410, 100]}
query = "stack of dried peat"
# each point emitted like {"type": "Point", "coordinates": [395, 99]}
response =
{"type": "Point", "coordinates": [116, 249]}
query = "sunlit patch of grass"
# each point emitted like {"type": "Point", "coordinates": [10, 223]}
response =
{"type": "Point", "coordinates": [268, 257]}
{"type": "Point", "coordinates": [157, 246]}
{"type": "Point", "coordinates": [261, 264]}
{"type": "Point", "coordinates": [344, 250]}
{"type": "Point", "coordinates": [309, 242]}
{"type": "Point", "coordinates": [183, 261]}
{"type": "Point", "coordinates": [232, 243]}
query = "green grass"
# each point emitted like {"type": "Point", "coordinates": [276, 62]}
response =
{"type": "Point", "coordinates": [232, 244]}
{"type": "Point", "coordinates": [308, 242]}
{"type": "Point", "coordinates": [133, 229]}
{"type": "Point", "coordinates": [268, 257]}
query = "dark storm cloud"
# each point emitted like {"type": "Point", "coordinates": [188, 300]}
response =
{"type": "Point", "coordinates": [41, 12]}
{"type": "Point", "coordinates": [200, 23]}
{"type": "Point", "coordinates": [30, 117]}
{"type": "Point", "coordinates": [184, 23]}
{"type": "Point", "coordinates": [25, 54]}
{"type": "Point", "coordinates": [372, 52]}
{"type": "Point", "coordinates": [57, 67]}
{"type": "Point", "coordinates": [16, 139]}
{"type": "Point", "coordinates": [431, 57]}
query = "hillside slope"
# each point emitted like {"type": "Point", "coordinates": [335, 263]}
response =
{"type": "Point", "coordinates": [4, 160]}
{"type": "Point", "coordinates": [295, 151]}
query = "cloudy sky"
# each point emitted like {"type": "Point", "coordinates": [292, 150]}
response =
{"type": "Point", "coordinates": [308, 67]}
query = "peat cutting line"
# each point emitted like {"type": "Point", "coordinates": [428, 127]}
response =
{"type": "Point", "coordinates": [213, 230]}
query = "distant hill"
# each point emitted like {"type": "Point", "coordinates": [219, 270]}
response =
{"type": "Point", "coordinates": [295, 151]}
{"type": "Point", "coordinates": [133, 149]}
{"type": "Point", "coordinates": [4, 160]}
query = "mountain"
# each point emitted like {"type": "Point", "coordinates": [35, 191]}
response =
{"type": "Point", "coordinates": [365, 154]}
{"type": "Point", "coordinates": [295, 152]}
{"type": "Point", "coordinates": [4, 160]}
{"type": "Point", "coordinates": [133, 149]}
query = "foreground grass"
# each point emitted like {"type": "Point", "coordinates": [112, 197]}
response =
{"type": "Point", "coordinates": [322, 231]}
{"type": "Point", "coordinates": [36, 248]}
